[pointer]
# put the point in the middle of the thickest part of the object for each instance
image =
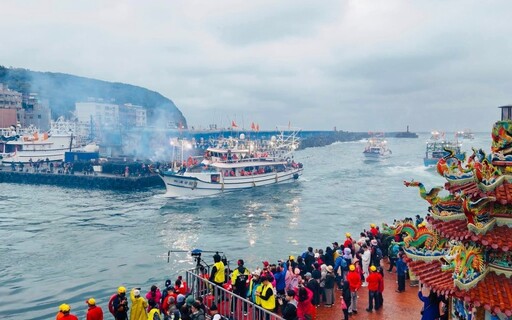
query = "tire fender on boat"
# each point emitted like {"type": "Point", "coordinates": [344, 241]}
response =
{"type": "Point", "coordinates": [276, 177]}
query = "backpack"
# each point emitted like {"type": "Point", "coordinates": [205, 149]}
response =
{"type": "Point", "coordinates": [343, 262]}
{"type": "Point", "coordinates": [378, 253]}
{"type": "Point", "coordinates": [241, 279]}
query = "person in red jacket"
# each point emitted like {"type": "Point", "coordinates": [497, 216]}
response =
{"type": "Point", "coordinates": [94, 312]}
{"type": "Point", "coordinates": [380, 299]}
{"type": "Point", "coordinates": [373, 288]}
{"type": "Point", "coordinates": [354, 282]}
{"type": "Point", "coordinates": [66, 309]}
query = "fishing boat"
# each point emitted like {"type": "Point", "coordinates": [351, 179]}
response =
{"type": "Point", "coordinates": [377, 148]}
{"type": "Point", "coordinates": [466, 134]}
{"type": "Point", "coordinates": [30, 145]}
{"type": "Point", "coordinates": [438, 147]}
{"type": "Point", "coordinates": [235, 164]}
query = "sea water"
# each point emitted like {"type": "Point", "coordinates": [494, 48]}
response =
{"type": "Point", "coordinates": [62, 245]}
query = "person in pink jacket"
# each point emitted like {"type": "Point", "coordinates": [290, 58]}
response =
{"type": "Point", "coordinates": [155, 295]}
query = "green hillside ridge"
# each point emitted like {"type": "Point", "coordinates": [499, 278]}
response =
{"type": "Point", "coordinates": [63, 90]}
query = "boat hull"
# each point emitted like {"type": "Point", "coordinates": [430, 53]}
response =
{"type": "Point", "coordinates": [375, 157]}
{"type": "Point", "coordinates": [201, 184]}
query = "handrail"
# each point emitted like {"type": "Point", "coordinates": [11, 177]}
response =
{"type": "Point", "coordinates": [228, 303]}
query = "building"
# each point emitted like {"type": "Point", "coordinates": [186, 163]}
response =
{"type": "Point", "coordinates": [94, 117]}
{"type": "Point", "coordinates": [34, 112]}
{"type": "Point", "coordinates": [463, 252]}
{"type": "Point", "coordinates": [10, 105]}
{"type": "Point", "coordinates": [132, 116]}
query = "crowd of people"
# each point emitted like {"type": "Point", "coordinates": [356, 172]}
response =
{"type": "Point", "coordinates": [294, 287]}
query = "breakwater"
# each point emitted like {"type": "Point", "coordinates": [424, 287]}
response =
{"type": "Point", "coordinates": [79, 180]}
{"type": "Point", "coordinates": [321, 139]}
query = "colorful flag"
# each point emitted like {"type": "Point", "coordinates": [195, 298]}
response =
{"type": "Point", "coordinates": [253, 127]}
{"type": "Point", "coordinates": [233, 124]}
{"type": "Point", "coordinates": [257, 127]}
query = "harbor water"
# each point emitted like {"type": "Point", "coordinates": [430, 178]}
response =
{"type": "Point", "coordinates": [65, 245]}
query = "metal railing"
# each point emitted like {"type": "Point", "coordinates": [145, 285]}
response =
{"type": "Point", "coordinates": [228, 303]}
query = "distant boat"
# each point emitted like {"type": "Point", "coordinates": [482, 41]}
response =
{"type": "Point", "coordinates": [466, 134]}
{"type": "Point", "coordinates": [377, 148]}
{"type": "Point", "coordinates": [406, 134]}
{"type": "Point", "coordinates": [436, 149]}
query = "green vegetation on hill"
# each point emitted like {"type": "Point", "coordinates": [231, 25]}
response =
{"type": "Point", "coordinates": [63, 90]}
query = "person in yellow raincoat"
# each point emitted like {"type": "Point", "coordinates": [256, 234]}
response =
{"type": "Point", "coordinates": [139, 306]}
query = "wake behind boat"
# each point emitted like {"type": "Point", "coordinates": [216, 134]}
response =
{"type": "Point", "coordinates": [376, 148]}
{"type": "Point", "coordinates": [235, 164]}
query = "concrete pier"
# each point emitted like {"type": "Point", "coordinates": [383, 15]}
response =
{"type": "Point", "coordinates": [79, 180]}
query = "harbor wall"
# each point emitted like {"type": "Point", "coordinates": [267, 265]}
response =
{"type": "Point", "coordinates": [82, 181]}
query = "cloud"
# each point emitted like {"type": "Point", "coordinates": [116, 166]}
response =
{"type": "Point", "coordinates": [358, 65]}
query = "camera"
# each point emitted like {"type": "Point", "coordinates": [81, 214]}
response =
{"type": "Point", "coordinates": [280, 296]}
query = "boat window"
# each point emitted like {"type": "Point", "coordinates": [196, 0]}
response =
{"type": "Point", "coordinates": [215, 178]}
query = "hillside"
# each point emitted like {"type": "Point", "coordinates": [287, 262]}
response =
{"type": "Point", "coordinates": [63, 90]}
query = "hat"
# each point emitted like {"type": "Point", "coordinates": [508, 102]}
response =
{"type": "Point", "coordinates": [373, 268]}
{"type": "Point", "coordinates": [335, 243]}
{"type": "Point", "coordinates": [213, 307]}
{"type": "Point", "coordinates": [339, 251]}
{"type": "Point", "coordinates": [136, 292]}
{"type": "Point", "coordinates": [348, 235]}
{"type": "Point", "coordinates": [256, 272]}
{"type": "Point", "coordinates": [190, 300]}
{"type": "Point", "coordinates": [180, 298]}
{"type": "Point", "coordinates": [352, 267]}
{"type": "Point", "coordinates": [91, 302]}
{"type": "Point", "coordinates": [265, 264]}
{"type": "Point", "coordinates": [240, 262]}
{"type": "Point", "coordinates": [291, 258]}
{"type": "Point", "coordinates": [167, 282]}
{"type": "Point", "coordinates": [372, 225]}
{"type": "Point", "coordinates": [307, 275]}
{"type": "Point", "coordinates": [329, 269]}
{"type": "Point", "coordinates": [64, 307]}
{"type": "Point", "coordinates": [374, 242]}
{"type": "Point", "coordinates": [121, 290]}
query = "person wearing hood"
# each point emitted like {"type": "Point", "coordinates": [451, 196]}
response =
{"type": "Point", "coordinates": [139, 305]}
{"type": "Point", "coordinates": [288, 306]}
{"type": "Point", "coordinates": [155, 295]}
{"type": "Point", "coordinates": [347, 255]}
{"type": "Point", "coordinates": [197, 312]}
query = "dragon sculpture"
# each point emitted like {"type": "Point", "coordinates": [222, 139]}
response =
{"type": "Point", "coordinates": [441, 206]}
{"type": "Point", "coordinates": [465, 261]}
{"type": "Point", "coordinates": [469, 264]}
{"type": "Point", "coordinates": [420, 238]}
{"type": "Point", "coordinates": [477, 214]}
{"type": "Point", "coordinates": [502, 137]}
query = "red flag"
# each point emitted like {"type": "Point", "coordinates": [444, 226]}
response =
{"type": "Point", "coordinates": [253, 127]}
{"type": "Point", "coordinates": [233, 124]}
{"type": "Point", "coordinates": [257, 127]}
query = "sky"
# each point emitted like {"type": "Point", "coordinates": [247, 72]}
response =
{"type": "Point", "coordinates": [357, 65]}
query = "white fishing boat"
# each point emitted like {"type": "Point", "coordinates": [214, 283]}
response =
{"type": "Point", "coordinates": [31, 145]}
{"type": "Point", "coordinates": [377, 148]}
{"type": "Point", "coordinates": [236, 164]}
{"type": "Point", "coordinates": [438, 147]}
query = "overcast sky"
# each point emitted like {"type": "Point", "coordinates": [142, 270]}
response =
{"type": "Point", "coordinates": [355, 65]}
